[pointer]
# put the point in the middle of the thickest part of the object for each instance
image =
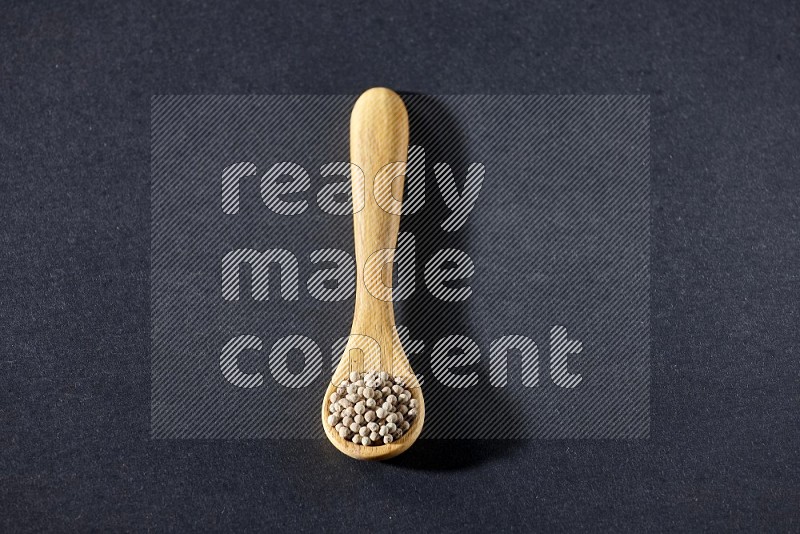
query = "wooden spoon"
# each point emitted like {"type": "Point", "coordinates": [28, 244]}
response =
{"type": "Point", "coordinates": [378, 155]}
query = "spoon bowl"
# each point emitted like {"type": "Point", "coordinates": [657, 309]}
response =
{"type": "Point", "coordinates": [375, 452]}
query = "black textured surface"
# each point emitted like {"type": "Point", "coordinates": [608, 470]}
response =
{"type": "Point", "coordinates": [75, 90]}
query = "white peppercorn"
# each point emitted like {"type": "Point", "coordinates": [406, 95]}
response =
{"type": "Point", "coordinates": [371, 408]}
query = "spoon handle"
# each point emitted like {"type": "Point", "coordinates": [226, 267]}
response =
{"type": "Point", "coordinates": [378, 155]}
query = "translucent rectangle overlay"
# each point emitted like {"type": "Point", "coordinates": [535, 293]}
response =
{"type": "Point", "coordinates": [541, 203]}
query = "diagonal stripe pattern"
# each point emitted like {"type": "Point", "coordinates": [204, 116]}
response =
{"type": "Point", "coordinates": [524, 304]}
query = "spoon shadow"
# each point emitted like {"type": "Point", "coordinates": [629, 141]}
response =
{"type": "Point", "coordinates": [435, 128]}
{"type": "Point", "coordinates": [451, 454]}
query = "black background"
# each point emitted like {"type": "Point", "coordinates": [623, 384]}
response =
{"type": "Point", "coordinates": [75, 91]}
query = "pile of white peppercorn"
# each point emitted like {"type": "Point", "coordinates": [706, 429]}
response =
{"type": "Point", "coordinates": [372, 408]}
